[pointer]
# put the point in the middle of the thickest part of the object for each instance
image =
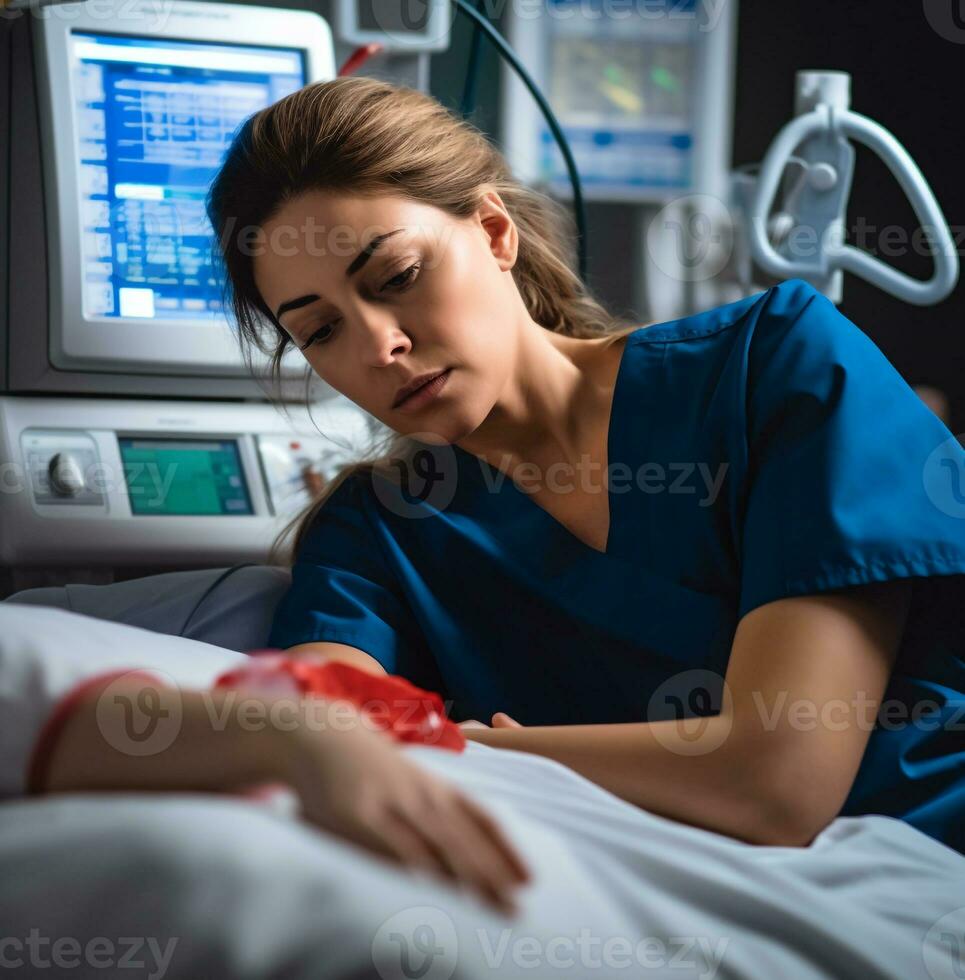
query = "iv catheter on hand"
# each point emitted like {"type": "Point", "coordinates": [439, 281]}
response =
{"type": "Point", "coordinates": [818, 140]}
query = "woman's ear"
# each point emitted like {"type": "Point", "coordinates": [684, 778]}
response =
{"type": "Point", "coordinates": [500, 229]}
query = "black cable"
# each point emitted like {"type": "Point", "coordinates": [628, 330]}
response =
{"type": "Point", "coordinates": [210, 589]}
{"type": "Point", "coordinates": [468, 105]}
{"type": "Point", "coordinates": [507, 52]}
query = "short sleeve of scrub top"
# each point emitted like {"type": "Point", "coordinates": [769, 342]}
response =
{"type": "Point", "coordinates": [756, 451]}
{"type": "Point", "coordinates": [853, 479]}
{"type": "Point", "coordinates": [343, 592]}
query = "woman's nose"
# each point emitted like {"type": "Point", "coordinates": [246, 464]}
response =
{"type": "Point", "coordinates": [382, 336]}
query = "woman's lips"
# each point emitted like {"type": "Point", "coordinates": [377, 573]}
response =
{"type": "Point", "coordinates": [424, 395]}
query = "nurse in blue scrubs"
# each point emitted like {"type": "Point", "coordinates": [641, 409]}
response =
{"type": "Point", "coordinates": [716, 565]}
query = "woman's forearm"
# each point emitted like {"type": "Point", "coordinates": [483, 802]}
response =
{"type": "Point", "coordinates": [191, 740]}
{"type": "Point", "coordinates": [657, 766]}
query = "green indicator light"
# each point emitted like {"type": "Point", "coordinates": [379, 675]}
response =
{"type": "Point", "coordinates": [664, 79]}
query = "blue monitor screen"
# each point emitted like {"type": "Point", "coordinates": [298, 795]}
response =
{"type": "Point", "coordinates": [153, 119]}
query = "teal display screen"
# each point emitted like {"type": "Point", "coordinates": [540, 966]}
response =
{"type": "Point", "coordinates": [177, 476]}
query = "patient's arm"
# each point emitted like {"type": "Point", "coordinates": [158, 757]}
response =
{"type": "Point", "coordinates": [338, 651]}
{"type": "Point", "coordinates": [352, 780]}
{"type": "Point", "coordinates": [89, 753]}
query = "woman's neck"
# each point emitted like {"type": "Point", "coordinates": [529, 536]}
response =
{"type": "Point", "coordinates": [554, 404]}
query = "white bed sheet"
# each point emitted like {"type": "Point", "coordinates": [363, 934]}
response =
{"type": "Point", "coordinates": [193, 886]}
{"type": "Point", "coordinates": [245, 892]}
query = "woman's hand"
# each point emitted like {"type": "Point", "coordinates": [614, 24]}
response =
{"type": "Point", "coordinates": [354, 782]}
{"type": "Point", "coordinates": [476, 731]}
{"type": "Point", "coordinates": [500, 720]}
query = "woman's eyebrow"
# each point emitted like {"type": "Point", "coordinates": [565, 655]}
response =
{"type": "Point", "coordinates": [357, 263]}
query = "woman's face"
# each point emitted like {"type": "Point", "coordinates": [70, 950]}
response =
{"type": "Point", "coordinates": [435, 293]}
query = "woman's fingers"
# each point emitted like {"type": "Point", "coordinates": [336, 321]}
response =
{"type": "Point", "coordinates": [502, 720]}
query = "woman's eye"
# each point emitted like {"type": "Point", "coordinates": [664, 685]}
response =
{"type": "Point", "coordinates": [399, 282]}
{"type": "Point", "coordinates": [315, 338]}
{"type": "Point", "coordinates": [404, 277]}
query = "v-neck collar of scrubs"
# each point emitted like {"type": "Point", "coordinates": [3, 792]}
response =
{"type": "Point", "coordinates": [496, 479]}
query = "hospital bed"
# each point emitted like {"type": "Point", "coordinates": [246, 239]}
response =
{"type": "Point", "coordinates": [195, 885]}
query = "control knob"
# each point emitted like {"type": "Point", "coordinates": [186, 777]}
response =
{"type": "Point", "coordinates": [65, 474]}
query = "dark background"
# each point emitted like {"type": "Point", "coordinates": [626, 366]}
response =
{"type": "Point", "coordinates": [909, 78]}
{"type": "Point", "coordinates": [906, 75]}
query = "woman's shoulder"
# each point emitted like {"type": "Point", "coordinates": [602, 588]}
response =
{"type": "Point", "coordinates": [792, 324]}
{"type": "Point", "coordinates": [780, 303]}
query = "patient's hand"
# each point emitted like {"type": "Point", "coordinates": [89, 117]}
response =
{"type": "Point", "coordinates": [355, 782]}
{"type": "Point", "coordinates": [351, 778]}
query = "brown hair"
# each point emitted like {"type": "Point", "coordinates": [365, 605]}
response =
{"type": "Point", "coordinates": [367, 137]}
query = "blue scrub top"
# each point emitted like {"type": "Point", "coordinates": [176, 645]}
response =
{"type": "Point", "coordinates": [763, 449]}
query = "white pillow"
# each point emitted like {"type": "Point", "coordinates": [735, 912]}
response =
{"type": "Point", "coordinates": [46, 652]}
{"type": "Point", "coordinates": [229, 607]}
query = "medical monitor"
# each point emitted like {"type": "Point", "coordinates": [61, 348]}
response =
{"type": "Point", "coordinates": [137, 114]}
{"type": "Point", "coordinates": [396, 24]}
{"type": "Point", "coordinates": [184, 476]}
{"type": "Point", "coordinates": [642, 91]}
